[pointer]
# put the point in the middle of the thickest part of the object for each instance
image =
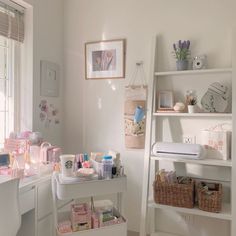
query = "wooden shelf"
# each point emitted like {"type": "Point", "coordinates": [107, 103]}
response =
{"type": "Point", "coordinates": [179, 114]}
{"type": "Point", "coordinates": [194, 72]}
{"type": "Point", "coordinates": [208, 162]}
{"type": "Point", "coordinates": [224, 215]}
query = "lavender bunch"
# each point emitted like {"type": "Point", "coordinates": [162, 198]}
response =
{"type": "Point", "coordinates": [181, 50]}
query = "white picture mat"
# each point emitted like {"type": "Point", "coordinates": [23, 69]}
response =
{"type": "Point", "coordinates": [165, 100]}
{"type": "Point", "coordinates": [49, 79]}
{"type": "Point", "coordinates": [106, 45]}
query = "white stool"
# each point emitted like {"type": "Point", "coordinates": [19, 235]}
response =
{"type": "Point", "coordinates": [10, 218]}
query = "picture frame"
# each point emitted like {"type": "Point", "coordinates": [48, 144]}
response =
{"type": "Point", "coordinates": [49, 79]}
{"type": "Point", "coordinates": [105, 59]}
{"type": "Point", "coordinates": [165, 100]}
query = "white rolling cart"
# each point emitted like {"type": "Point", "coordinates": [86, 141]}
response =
{"type": "Point", "coordinates": [91, 188]}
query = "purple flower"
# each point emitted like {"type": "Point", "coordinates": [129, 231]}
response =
{"type": "Point", "coordinates": [180, 44]}
{"type": "Point", "coordinates": [174, 46]}
{"type": "Point", "coordinates": [181, 49]}
{"type": "Point", "coordinates": [188, 44]}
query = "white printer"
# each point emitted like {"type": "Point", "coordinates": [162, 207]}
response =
{"type": "Point", "coordinates": [178, 150]}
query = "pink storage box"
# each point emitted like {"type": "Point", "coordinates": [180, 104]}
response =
{"type": "Point", "coordinates": [64, 227]}
{"type": "Point", "coordinates": [80, 217]}
{"type": "Point", "coordinates": [95, 220]}
{"type": "Point", "coordinates": [11, 145]}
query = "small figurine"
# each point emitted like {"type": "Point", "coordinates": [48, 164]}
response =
{"type": "Point", "coordinates": [179, 107]}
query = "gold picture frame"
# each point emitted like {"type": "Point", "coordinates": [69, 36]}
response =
{"type": "Point", "coordinates": [105, 59]}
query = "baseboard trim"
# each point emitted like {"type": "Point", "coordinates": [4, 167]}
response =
{"type": "Point", "coordinates": [133, 233]}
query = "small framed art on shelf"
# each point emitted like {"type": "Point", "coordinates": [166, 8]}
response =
{"type": "Point", "coordinates": [105, 59]}
{"type": "Point", "coordinates": [165, 101]}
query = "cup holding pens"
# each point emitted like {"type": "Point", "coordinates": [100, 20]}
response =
{"type": "Point", "coordinates": [139, 114]}
{"type": "Point", "coordinates": [67, 165]}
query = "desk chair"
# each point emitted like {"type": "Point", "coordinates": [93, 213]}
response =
{"type": "Point", "coordinates": [10, 218]}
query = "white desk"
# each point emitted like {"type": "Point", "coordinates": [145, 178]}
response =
{"type": "Point", "coordinates": [35, 206]}
{"type": "Point", "coordinates": [28, 190]}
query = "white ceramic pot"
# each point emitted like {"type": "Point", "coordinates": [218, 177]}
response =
{"type": "Point", "coordinates": [191, 108]}
{"type": "Point", "coordinates": [182, 65]}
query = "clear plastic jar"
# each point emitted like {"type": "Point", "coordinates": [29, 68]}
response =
{"type": "Point", "coordinates": [107, 164]}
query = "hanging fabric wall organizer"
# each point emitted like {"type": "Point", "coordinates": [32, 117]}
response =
{"type": "Point", "coordinates": [135, 109]}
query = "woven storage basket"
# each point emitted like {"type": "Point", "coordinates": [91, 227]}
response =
{"type": "Point", "coordinates": [135, 142]}
{"type": "Point", "coordinates": [178, 195]}
{"type": "Point", "coordinates": [211, 199]}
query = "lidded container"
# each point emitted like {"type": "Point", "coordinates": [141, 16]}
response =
{"type": "Point", "coordinates": [107, 164]}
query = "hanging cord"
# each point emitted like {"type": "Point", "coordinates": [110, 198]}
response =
{"type": "Point", "coordinates": [139, 70]}
{"type": "Point", "coordinates": [9, 21]}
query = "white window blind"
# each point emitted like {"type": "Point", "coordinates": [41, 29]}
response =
{"type": "Point", "coordinates": [11, 23]}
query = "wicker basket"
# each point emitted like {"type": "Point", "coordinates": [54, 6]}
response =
{"type": "Point", "coordinates": [135, 142]}
{"type": "Point", "coordinates": [176, 194]}
{"type": "Point", "coordinates": [210, 199]}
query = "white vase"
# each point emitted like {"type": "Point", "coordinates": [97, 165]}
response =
{"type": "Point", "coordinates": [191, 108]}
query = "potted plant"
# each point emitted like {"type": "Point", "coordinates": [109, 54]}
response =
{"type": "Point", "coordinates": [181, 53]}
{"type": "Point", "coordinates": [192, 102]}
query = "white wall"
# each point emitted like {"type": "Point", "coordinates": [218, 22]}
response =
{"type": "Point", "coordinates": [46, 31]}
{"type": "Point", "coordinates": [93, 111]}
{"type": "Point", "coordinates": [48, 45]}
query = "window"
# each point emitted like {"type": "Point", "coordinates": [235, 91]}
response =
{"type": "Point", "coordinates": [11, 36]}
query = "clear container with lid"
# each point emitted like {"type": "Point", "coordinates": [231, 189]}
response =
{"type": "Point", "coordinates": [107, 164]}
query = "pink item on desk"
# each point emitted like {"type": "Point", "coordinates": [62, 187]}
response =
{"type": "Point", "coordinates": [43, 152]}
{"type": "Point", "coordinates": [24, 134]}
{"type": "Point", "coordinates": [5, 171]}
{"type": "Point", "coordinates": [54, 154]}
{"type": "Point", "coordinates": [49, 153]}
{"type": "Point", "coordinates": [64, 227]}
{"type": "Point", "coordinates": [86, 164]}
{"type": "Point", "coordinates": [16, 145]}
{"type": "Point", "coordinates": [81, 157]}
{"type": "Point", "coordinates": [34, 154]}
{"type": "Point", "coordinates": [95, 220]}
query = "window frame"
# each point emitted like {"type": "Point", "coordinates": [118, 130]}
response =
{"type": "Point", "coordinates": [11, 87]}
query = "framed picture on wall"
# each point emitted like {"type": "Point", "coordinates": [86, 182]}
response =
{"type": "Point", "coordinates": [105, 59]}
{"type": "Point", "coordinates": [165, 100]}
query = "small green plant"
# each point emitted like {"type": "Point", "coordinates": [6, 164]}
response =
{"type": "Point", "coordinates": [181, 50]}
{"type": "Point", "coordinates": [191, 100]}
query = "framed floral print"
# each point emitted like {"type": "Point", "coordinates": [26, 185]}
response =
{"type": "Point", "coordinates": [105, 59]}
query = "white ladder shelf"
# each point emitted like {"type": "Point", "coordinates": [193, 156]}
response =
{"type": "Point", "coordinates": [148, 205]}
